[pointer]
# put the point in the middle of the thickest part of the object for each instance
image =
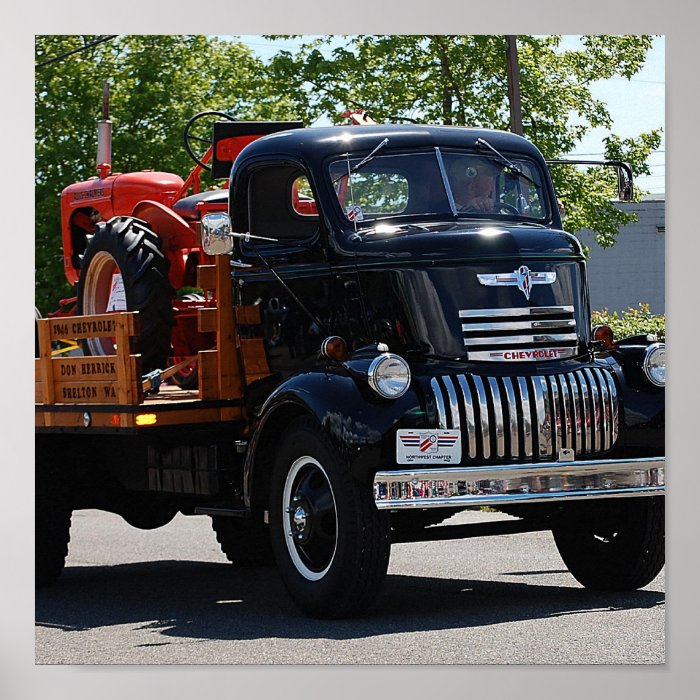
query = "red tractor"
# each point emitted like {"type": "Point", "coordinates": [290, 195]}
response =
{"type": "Point", "coordinates": [131, 242]}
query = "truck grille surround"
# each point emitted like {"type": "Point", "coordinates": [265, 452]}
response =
{"type": "Point", "coordinates": [525, 334]}
{"type": "Point", "coordinates": [529, 418]}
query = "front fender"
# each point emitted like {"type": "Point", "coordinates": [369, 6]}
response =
{"type": "Point", "coordinates": [359, 424]}
{"type": "Point", "coordinates": [643, 407]}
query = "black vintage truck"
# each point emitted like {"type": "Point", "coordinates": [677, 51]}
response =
{"type": "Point", "coordinates": [402, 332]}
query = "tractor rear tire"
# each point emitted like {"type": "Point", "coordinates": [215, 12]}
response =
{"type": "Point", "coordinates": [128, 246]}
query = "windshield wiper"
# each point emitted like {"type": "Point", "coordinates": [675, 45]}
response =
{"type": "Point", "coordinates": [513, 169]}
{"type": "Point", "coordinates": [364, 161]}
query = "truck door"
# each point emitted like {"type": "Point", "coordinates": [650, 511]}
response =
{"type": "Point", "coordinates": [289, 279]}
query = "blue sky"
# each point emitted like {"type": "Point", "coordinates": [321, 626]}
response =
{"type": "Point", "coordinates": [635, 105]}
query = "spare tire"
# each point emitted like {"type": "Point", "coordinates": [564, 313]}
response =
{"type": "Point", "coordinates": [124, 269]}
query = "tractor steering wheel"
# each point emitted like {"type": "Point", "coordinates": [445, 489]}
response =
{"type": "Point", "coordinates": [189, 137]}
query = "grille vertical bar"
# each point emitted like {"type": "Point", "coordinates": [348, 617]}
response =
{"type": "Point", "coordinates": [440, 403]}
{"type": "Point", "coordinates": [484, 416]}
{"type": "Point", "coordinates": [469, 412]}
{"type": "Point", "coordinates": [527, 417]}
{"type": "Point", "coordinates": [454, 405]}
{"type": "Point", "coordinates": [513, 417]}
{"type": "Point", "coordinates": [530, 417]}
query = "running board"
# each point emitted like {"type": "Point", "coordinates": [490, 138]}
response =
{"type": "Point", "coordinates": [241, 512]}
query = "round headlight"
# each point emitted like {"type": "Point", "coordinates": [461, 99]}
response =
{"type": "Point", "coordinates": [654, 364]}
{"type": "Point", "coordinates": [389, 375]}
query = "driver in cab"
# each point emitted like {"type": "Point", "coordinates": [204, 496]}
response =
{"type": "Point", "coordinates": [475, 189]}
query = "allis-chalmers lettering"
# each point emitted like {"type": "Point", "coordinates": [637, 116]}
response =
{"type": "Point", "coordinates": [89, 194]}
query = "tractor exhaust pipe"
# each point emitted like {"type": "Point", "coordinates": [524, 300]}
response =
{"type": "Point", "coordinates": [104, 137]}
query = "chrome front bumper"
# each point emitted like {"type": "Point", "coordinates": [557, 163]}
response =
{"type": "Point", "coordinates": [518, 483]}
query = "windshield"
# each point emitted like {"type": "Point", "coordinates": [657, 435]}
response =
{"type": "Point", "coordinates": [445, 183]}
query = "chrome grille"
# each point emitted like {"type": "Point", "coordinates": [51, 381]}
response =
{"type": "Point", "coordinates": [522, 334]}
{"type": "Point", "coordinates": [529, 417]}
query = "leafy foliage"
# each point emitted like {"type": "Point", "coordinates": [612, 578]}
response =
{"type": "Point", "coordinates": [631, 322]}
{"type": "Point", "coordinates": [158, 84]}
{"type": "Point", "coordinates": [461, 80]}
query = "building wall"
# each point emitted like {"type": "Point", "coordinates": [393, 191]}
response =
{"type": "Point", "coordinates": [632, 271]}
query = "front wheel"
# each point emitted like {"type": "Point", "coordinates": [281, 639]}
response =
{"type": "Point", "coordinates": [330, 542]}
{"type": "Point", "coordinates": [616, 545]}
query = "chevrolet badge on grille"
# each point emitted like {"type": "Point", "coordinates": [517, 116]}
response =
{"type": "Point", "coordinates": [523, 278]}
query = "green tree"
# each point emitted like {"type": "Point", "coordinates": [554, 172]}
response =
{"type": "Point", "coordinates": [461, 80]}
{"type": "Point", "coordinates": [157, 84]}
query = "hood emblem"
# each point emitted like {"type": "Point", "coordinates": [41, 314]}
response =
{"type": "Point", "coordinates": [523, 278]}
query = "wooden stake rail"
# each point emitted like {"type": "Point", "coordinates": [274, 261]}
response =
{"type": "Point", "coordinates": [107, 391]}
{"type": "Point", "coordinates": [107, 379]}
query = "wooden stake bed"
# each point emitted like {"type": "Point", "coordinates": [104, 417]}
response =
{"type": "Point", "coordinates": [106, 393]}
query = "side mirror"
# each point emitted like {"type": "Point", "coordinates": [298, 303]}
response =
{"type": "Point", "coordinates": [215, 234]}
{"type": "Point", "coordinates": [625, 188]}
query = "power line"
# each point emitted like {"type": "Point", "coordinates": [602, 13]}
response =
{"type": "Point", "coordinates": [81, 48]}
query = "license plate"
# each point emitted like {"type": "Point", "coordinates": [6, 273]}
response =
{"type": "Point", "coordinates": [428, 446]}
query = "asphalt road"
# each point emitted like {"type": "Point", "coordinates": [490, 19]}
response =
{"type": "Point", "coordinates": [169, 596]}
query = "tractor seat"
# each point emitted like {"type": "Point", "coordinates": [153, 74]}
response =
{"type": "Point", "coordinates": [187, 206]}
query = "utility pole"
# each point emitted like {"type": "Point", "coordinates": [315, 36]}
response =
{"type": "Point", "coordinates": [516, 118]}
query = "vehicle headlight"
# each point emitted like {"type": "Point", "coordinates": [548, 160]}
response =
{"type": "Point", "coordinates": [654, 364]}
{"type": "Point", "coordinates": [389, 375]}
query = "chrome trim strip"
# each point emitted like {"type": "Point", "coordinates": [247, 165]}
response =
{"type": "Point", "coordinates": [517, 325]}
{"type": "Point", "coordinates": [605, 398]}
{"type": "Point", "coordinates": [612, 387]}
{"type": "Point", "coordinates": [498, 415]}
{"type": "Point", "coordinates": [510, 279]}
{"type": "Point", "coordinates": [454, 405]}
{"type": "Point", "coordinates": [543, 449]}
{"type": "Point", "coordinates": [516, 311]}
{"type": "Point", "coordinates": [442, 416]}
{"type": "Point", "coordinates": [567, 424]}
{"type": "Point", "coordinates": [575, 413]}
{"type": "Point", "coordinates": [484, 416]}
{"type": "Point", "coordinates": [512, 416]}
{"type": "Point", "coordinates": [469, 410]}
{"type": "Point", "coordinates": [497, 355]}
{"type": "Point", "coordinates": [527, 416]}
{"type": "Point", "coordinates": [595, 410]}
{"type": "Point", "coordinates": [586, 418]}
{"type": "Point", "coordinates": [510, 339]}
{"type": "Point", "coordinates": [556, 416]}
{"type": "Point", "coordinates": [494, 485]}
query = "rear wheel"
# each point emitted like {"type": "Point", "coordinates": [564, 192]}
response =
{"type": "Point", "coordinates": [124, 269]}
{"type": "Point", "coordinates": [330, 542]}
{"type": "Point", "coordinates": [615, 546]}
{"type": "Point", "coordinates": [244, 541]}
{"type": "Point", "coordinates": [52, 520]}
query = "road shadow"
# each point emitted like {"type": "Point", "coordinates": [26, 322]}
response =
{"type": "Point", "coordinates": [199, 600]}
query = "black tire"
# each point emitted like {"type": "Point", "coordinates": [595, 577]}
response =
{"type": "Point", "coordinates": [617, 546]}
{"type": "Point", "coordinates": [130, 247]}
{"type": "Point", "coordinates": [244, 541]}
{"type": "Point", "coordinates": [51, 528]}
{"type": "Point", "coordinates": [331, 544]}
